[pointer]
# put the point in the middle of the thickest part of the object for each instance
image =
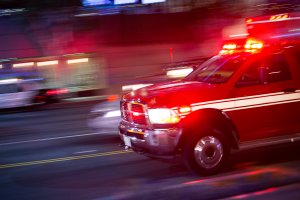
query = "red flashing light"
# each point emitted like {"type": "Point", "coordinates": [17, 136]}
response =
{"type": "Point", "coordinates": [56, 92]}
{"type": "Point", "coordinates": [251, 45]}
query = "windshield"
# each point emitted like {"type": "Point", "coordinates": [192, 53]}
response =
{"type": "Point", "coordinates": [217, 69]}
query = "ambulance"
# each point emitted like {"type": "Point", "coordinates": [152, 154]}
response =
{"type": "Point", "coordinates": [247, 96]}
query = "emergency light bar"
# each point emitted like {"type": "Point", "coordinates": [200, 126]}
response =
{"type": "Point", "coordinates": [264, 31]}
{"type": "Point", "coordinates": [273, 18]}
{"type": "Point", "coordinates": [251, 45]}
{"type": "Point", "coordinates": [274, 26]}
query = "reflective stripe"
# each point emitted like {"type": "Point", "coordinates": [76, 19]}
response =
{"type": "Point", "coordinates": [249, 101]}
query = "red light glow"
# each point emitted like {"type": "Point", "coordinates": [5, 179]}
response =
{"type": "Point", "coordinates": [112, 97]}
{"type": "Point", "coordinates": [261, 192]}
{"type": "Point", "coordinates": [56, 92]}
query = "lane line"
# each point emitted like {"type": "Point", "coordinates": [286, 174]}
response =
{"type": "Point", "coordinates": [54, 160]}
{"type": "Point", "coordinates": [82, 152]}
{"type": "Point", "coordinates": [52, 138]}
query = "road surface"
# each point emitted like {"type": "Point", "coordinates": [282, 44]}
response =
{"type": "Point", "coordinates": [50, 153]}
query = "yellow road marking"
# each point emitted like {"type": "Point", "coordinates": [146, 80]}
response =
{"type": "Point", "coordinates": [37, 162]}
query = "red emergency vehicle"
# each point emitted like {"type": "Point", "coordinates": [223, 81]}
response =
{"type": "Point", "coordinates": [247, 96]}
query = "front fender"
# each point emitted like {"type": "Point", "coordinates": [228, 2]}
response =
{"type": "Point", "coordinates": [207, 120]}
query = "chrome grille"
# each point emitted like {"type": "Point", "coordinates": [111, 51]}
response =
{"type": "Point", "coordinates": [133, 112]}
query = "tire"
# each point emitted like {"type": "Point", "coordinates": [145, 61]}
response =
{"type": "Point", "coordinates": [206, 154]}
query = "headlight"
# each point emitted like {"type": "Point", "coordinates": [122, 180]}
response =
{"type": "Point", "coordinates": [163, 116]}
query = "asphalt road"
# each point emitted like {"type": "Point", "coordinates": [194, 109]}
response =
{"type": "Point", "coordinates": [50, 153]}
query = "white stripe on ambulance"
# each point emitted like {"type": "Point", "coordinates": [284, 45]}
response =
{"type": "Point", "coordinates": [250, 101]}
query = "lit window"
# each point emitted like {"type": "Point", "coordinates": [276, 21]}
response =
{"type": "Point", "coordinates": [80, 60]}
{"type": "Point", "coordinates": [28, 64]}
{"type": "Point", "coordinates": [45, 63]}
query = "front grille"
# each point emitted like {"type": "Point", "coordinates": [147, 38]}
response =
{"type": "Point", "coordinates": [133, 112]}
{"type": "Point", "coordinates": [124, 111]}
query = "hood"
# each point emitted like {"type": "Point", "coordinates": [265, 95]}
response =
{"type": "Point", "coordinates": [176, 93]}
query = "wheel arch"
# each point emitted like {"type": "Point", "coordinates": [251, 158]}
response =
{"type": "Point", "coordinates": [209, 120]}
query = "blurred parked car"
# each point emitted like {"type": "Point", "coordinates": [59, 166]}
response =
{"type": "Point", "coordinates": [26, 89]}
{"type": "Point", "coordinates": [16, 92]}
{"type": "Point", "coordinates": [51, 95]}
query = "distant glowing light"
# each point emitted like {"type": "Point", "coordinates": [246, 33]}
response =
{"type": "Point", "coordinates": [134, 87]}
{"type": "Point", "coordinates": [117, 2]}
{"type": "Point", "coordinates": [80, 60]}
{"type": "Point", "coordinates": [239, 35]}
{"type": "Point", "coordinates": [114, 113]}
{"type": "Point", "coordinates": [11, 80]}
{"type": "Point", "coordinates": [152, 1]}
{"type": "Point", "coordinates": [57, 91]}
{"type": "Point", "coordinates": [45, 63]}
{"type": "Point", "coordinates": [27, 64]}
{"type": "Point", "coordinates": [112, 97]}
{"type": "Point", "coordinates": [86, 14]}
{"type": "Point", "coordinates": [177, 73]}
{"type": "Point", "coordinates": [1, 66]}
{"type": "Point", "coordinates": [95, 2]}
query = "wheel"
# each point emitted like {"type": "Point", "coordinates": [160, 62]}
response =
{"type": "Point", "coordinates": [205, 154]}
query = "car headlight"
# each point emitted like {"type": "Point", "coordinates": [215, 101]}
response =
{"type": "Point", "coordinates": [113, 113]}
{"type": "Point", "coordinates": [163, 116]}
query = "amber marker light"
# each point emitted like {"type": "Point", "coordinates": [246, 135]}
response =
{"type": "Point", "coordinates": [113, 97]}
{"type": "Point", "coordinates": [185, 109]}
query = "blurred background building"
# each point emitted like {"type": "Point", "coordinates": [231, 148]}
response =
{"type": "Point", "coordinates": [117, 40]}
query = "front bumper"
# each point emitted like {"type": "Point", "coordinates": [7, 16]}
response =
{"type": "Point", "coordinates": [156, 142]}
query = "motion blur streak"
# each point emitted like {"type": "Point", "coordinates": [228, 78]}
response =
{"type": "Point", "coordinates": [47, 139]}
{"type": "Point", "coordinates": [28, 64]}
{"type": "Point", "coordinates": [37, 162]}
{"type": "Point", "coordinates": [250, 176]}
{"type": "Point", "coordinates": [45, 63]}
{"type": "Point", "coordinates": [243, 196]}
{"type": "Point", "coordinates": [80, 60]}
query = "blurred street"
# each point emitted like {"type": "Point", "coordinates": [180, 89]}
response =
{"type": "Point", "coordinates": [50, 153]}
{"type": "Point", "coordinates": [65, 64]}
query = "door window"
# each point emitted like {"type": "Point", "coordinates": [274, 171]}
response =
{"type": "Point", "coordinates": [269, 69]}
